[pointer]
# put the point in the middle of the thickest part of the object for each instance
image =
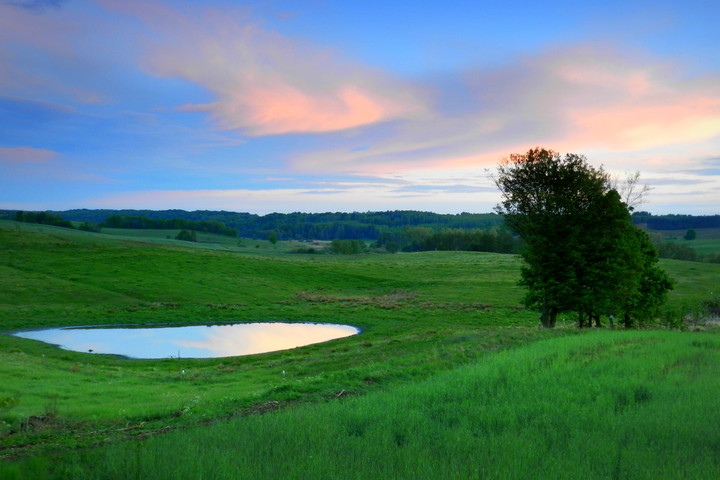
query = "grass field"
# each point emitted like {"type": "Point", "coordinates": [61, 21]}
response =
{"type": "Point", "coordinates": [421, 315]}
{"type": "Point", "coordinates": [604, 405]}
{"type": "Point", "coordinates": [707, 240]}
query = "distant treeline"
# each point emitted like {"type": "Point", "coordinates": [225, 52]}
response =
{"type": "Point", "coordinates": [399, 230]}
{"type": "Point", "coordinates": [141, 222]}
{"type": "Point", "coordinates": [42, 218]}
{"type": "Point", "coordinates": [421, 239]}
{"type": "Point", "coordinates": [305, 226]}
{"type": "Point", "coordinates": [117, 221]}
{"type": "Point", "coordinates": [675, 222]}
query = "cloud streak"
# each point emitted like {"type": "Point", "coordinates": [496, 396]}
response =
{"type": "Point", "coordinates": [25, 155]}
{"type": "Point", "coordinates": [38, 5]}
{"type": "Point", "coordinates": [266, 83]}
{"type": "Point", "coordinates": [583, 98]}
{"type": "Point", "coordinates": [376, 197]}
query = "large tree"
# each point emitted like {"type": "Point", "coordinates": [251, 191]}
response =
{"type": "Point", "coordinates": [581, 252]}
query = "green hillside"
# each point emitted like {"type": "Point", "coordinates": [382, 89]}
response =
{"type": "Point", "coordinates": [421, 314]}
{"type": "Point", "coordinates": [605, 405]}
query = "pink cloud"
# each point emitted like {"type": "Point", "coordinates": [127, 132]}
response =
{"type": "Point", "coordinates": [25, 155]}
{"type": "Point", "coordinates": [268, 84]}
{"type": "Point", "coordinates": [581, 99]}
{"type": "Point", "coordinates": [284, 108]}
{"type": "Point", "coordinates": [623, 103]}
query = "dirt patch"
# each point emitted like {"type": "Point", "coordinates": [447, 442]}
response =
{"type": "Point", "coordinates": [262, 408]}
{"type": "Point", "coordinates": [391, 301]}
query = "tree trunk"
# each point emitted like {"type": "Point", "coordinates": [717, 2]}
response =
{"type": "Point", "coordinates": [548, 317]}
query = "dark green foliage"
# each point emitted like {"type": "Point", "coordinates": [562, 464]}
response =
{"type": "Point", "coordinates": [712, 306]}
{"type": "Point", "coordinates": [673, 250]}
{"type": "Point", "coordinates": [454, 239]}
{"type": "Point", "coordinates": [43, 218]}
{"type": "Point", "coordinates": [581, 251]}
{"type": "Point", "coordinates": [348, 247]}
{"type": "Point", "coordinates": [643, 303]}
{"type": "Point", "coordinates": [547, 199]}
{"type": "Point", "coordinates": [691, 234]}
{"type": "Point", "coordinates": [187, 235]}
{"type": "Point", "coordinates": [292, 226]}
{"type": "Point", "coordinates": [676, 222]}
{"type": "Point", "coordinates": [207, 226]}
{"type": "Point", "coordinates": [89, 227]}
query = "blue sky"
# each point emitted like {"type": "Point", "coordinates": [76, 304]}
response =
{"type": "Point", "coordinates": [316, 105]}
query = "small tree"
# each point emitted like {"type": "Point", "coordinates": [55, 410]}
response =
{"type": "Point", "coordinates": [643, 303]}
{"type": "Point", "coordinates": [690, 234]}
{"type": "Point", "coordinates": [546, 199]}
{"type": "Point", "coordinates": [582, 254]}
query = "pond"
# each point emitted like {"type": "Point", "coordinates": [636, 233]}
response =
{"type": "Point", "coordinates": [205, 341]}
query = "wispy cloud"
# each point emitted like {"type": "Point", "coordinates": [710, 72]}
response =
{"type": "Point", "coordinates": [45, 52]}
{"type": "Point", "coordinates": [580, 99]}
{"type": "Point", "coordinates": [37, 5]}
{"type": "Point", "coordinates": [263, 82]}
{"type": "Point", "coordinates": [25, 155]}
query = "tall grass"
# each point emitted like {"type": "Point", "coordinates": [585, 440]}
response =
{"type": "Point", "coordinates": [608, 405]}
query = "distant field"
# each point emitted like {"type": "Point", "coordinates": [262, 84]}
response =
{"type": "Point", "coordinates": [702, 233]}
{"type": "Point", "coordinates": [167, 237]}
{"type": "Point", "coordinates": [706, 242]}
{"type": "Point", "coordinates": [421, 314]}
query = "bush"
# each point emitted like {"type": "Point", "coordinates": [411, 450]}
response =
{"type": "Point", "coordinates": [348, 247]}
{"type": "Point", "coordinates": [187, 235]}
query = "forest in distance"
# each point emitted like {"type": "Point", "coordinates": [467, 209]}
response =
{"type": "Point", "coordinates": [331, 225]}
{"type": "Point", "coordinates": [399, 230]}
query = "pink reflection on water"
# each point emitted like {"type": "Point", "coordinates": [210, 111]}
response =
{"type": "Point", "coordinates": [191, 341]}
{"type": "Point", "coordinates": [250, 338]}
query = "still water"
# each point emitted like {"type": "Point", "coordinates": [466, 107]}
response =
{"type": "Point", "coordinates": [191, 341]}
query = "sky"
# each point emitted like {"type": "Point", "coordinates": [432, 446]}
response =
{"type": "Point", "coordinates": [341, 106]}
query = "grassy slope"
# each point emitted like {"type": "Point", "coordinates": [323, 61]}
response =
{"type": "Point", "coordinates": [598, 406]}
{"type": "Point", "coordinates": [421, 313]}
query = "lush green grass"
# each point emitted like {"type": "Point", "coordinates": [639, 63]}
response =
{"type": "Point", "coordinates": [706, 242]}
{"type": "Point", "coordinates": [421, 314]}
{"type": "Point", "coordinates": [608, 405]}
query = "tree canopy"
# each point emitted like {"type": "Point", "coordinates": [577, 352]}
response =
{"type": "Point", "coordinates": [582, 254]}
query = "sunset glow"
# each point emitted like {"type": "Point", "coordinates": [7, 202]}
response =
{"type": "Point", "coordinates": [348, 106]}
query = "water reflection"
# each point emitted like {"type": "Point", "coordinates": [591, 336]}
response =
{"type": "Point", "coordinates": [191, 341]}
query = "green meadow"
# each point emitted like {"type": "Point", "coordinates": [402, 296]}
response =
{"type": "Point", "coordinates": [706, 242]}
{"type": "Point", "coordinates": [450, 376]}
